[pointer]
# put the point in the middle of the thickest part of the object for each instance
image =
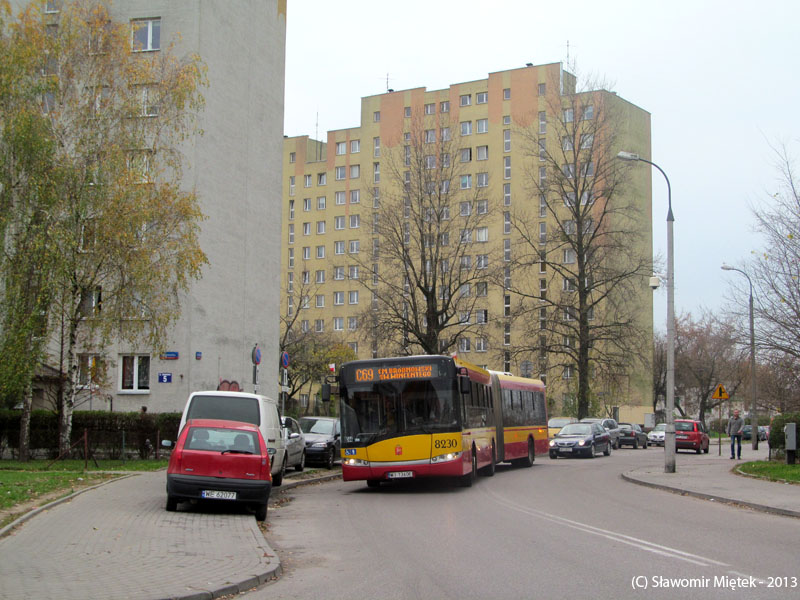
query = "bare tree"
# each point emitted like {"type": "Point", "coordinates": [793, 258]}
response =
{"type": "Point", "coordinates": [707, 354]}
{"type": "Point", "coordinates": [778, 382]}
{"type": "Point", "coordinates": [429, 261]}
{"type": "Point", "coordinates": [775, 271]}
{"type": "Point", "coordinates": [584, 251]}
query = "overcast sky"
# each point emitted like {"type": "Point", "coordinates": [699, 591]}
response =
{"type": "Point", "coordinates": [720, 79]}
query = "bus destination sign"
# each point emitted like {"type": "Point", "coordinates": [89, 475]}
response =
{"type": "Point", "coordinates": [392, 373]}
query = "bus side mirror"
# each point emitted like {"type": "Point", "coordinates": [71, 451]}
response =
{"type": "Point", "coordinates": [463, 385]}
{"type": "Point", "coordinates": [326, 392]}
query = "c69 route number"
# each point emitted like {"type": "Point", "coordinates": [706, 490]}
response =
{"type": "Point", "coordinates": [445, 444]}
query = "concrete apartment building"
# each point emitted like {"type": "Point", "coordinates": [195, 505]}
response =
{"type": "Point", "coordinates": [332, 189]}
{"type": "Point", "coordinates": [232, 167]}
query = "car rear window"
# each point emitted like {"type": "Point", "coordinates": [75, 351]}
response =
{"type": "Point", "coordinates": [220, 439]}
{"type": "Point", "coordinates": [225, 407]}
{"type": "Point", "coordinates": [684, 426]}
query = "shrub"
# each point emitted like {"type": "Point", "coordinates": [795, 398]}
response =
{"type": "Point", "coordinates": [777, 439]}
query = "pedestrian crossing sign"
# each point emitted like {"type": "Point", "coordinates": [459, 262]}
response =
{"type": "Point", "coordinates": [720, 393]}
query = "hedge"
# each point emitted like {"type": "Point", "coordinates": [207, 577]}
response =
{"type": "Point", "coordinates": [107, 431]}
{"type": "Point", "coordinates": [777, 439]}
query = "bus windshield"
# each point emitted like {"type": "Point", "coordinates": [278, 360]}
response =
{"type": "Point", "coordinates": [378, 410]}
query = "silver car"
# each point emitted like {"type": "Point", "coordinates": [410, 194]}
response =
{"type": "Point", "coordinates": [295, 442]}
{"type": "Point", "coordinates": [656, 435]}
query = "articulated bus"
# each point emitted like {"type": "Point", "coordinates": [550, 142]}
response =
{"type": "Point", "coordinates": [436, 416]}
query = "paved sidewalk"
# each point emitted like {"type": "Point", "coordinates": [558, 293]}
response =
{"type": "Point", "coordinates": [711, 476]}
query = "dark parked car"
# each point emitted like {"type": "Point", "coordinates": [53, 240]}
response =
{"type": "Point", "coordinates": [323, 439]}
{"type": "Point", "coordinates": [583, 439]}
{"type": "Point", "coordinates": [295, 443]}
{"type": "Point", "coordinates": [609, 425]}
{"type": "Point", "coordinates": [747, 433]}
{"type": "Point", "coordinates": [630, 434]}
{"type": "Point", "coordinates": [691, 435]}
{"type": "Point", "coordinates": [225, 461]}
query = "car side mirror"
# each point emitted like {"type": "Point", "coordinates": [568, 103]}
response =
{"type": "Point", "coordinates": [294, 436]}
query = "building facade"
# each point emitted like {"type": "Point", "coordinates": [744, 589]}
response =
{"type": "Point", "coordinates": [335, 193]}
{"type": "Point", "coordinates": [231, 166]}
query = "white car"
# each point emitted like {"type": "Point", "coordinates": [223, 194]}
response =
{"type": "Point", "coordinates": [656, 435]}
{"type": "Point", "coordinates": [295, 441]}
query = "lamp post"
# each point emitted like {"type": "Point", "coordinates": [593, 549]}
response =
{"type": "Point", "coordinates": [669, 433]}
{"type": "Point", "coordinates": [753, 411]}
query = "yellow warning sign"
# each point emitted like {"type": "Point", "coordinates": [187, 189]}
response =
{"type": "Point", "coordinates": [720, 393]}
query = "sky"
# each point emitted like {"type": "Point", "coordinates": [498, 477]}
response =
{"type": "Point", "coordinates": [719, 78]}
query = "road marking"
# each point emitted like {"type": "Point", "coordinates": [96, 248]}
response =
{"type": "Point", "coordinates": [611, 535]}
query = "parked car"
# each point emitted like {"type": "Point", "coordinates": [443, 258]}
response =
{"type": "Point", "coordinates": [295, 442]}
{"type": "Point", "coordinates": [580, 439]}
{"type": "Point", "coordinates": [630, 434]}
{"type": "Point", "coordinates": [323, 439]}
{"type": "Point", "coordinates": [691, 435]}
{"type": "Point", "coordinates": [747, 433]}
{"type": "Point", "coordinates": [609, 425]}
{"type": "Point", "coordinates": [555, 424]}
{"type": "Point", "coordinates": [219, 460]}
{"type": "Point", "coordinates": [247, 408]}
{"type": "Point", "coordinates": [656, 435]}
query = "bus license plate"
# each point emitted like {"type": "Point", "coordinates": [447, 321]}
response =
{"type": "Point", "coordinates": [218, 495]}
{"type": "Point", "coordinates": [399, 474]}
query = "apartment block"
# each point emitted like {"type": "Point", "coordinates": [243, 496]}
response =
{"type": "Point", "coordinates": [333, 190]}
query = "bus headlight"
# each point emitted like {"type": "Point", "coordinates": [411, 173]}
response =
{"type": "Point", "coordinates": [356, 462]}
{"type": "Point", "coordinates": [445, 457]}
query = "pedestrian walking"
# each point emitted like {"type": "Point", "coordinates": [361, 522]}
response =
{"type": "Point", "coordinates": [735, 427]}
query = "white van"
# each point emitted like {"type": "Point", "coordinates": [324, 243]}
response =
{"type": "Point", "coordinates": [248, 408]}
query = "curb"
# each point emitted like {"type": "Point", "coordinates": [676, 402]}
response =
{"type": "Point", "coordinates": [713, 498]}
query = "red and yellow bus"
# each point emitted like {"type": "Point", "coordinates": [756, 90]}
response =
{"type": "Point", "coordinates": [436, 416]}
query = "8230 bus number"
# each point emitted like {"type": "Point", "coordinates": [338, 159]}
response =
{"type": "Point", "coordinates": [445, 444]}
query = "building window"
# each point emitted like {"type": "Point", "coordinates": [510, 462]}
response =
{"type": "Point", "coordinates": [465, 100]}
{"type": "Point", "coordinates": [482, 261]}
{"type": "Point", "coordinates": [430, 136]}
{"type": "Point", "coordinates": [568, 373]}
{"type": "Point", "coordinates": [506, 306]}
{"type": "Point", "coordinates": [376, 116]}
{"type": "Point", "coordinates": [588, 113]}
{"type": "Point", "coordinates": [507, 94]}
{"type": "Point", "coordinates": [322, 178]}
{"type": "Point", "coordinates": [482, 153]}
{"type": "Point", "coordinates": [339, 173]}
{"type": "Point", "coordinates": [319, 325]}
{"type": "Point", "coordinates": [355, 146]}
{"type": "Point", "coordinates": [353, 272]}
{"type": "Point", "coordinates": [506, 250]}
{"type": "Point", "coordinates": [341, 148]}
{"type": "Point", "coordinates": [355, 171]}
{"type": "Point", "coordinates": [376, 147]}
{"type": "Point", "coordinates": [134, 373]}
{"type": "Point", "coordinates": [506, 222]}
{"type": "Point", "coordinates": [481, 97]}
{"type": "Point", "coordinates": [506, 194]}
{"type": "Point", "coordinates": [466, 182]}
{"type": "Point", "coordinates": [291, 258]}
{"type": "Point", "coordinates": [543, 289]}
{"type": "Point", "coordinates": [355, 246]}
{"type": "Point", "coordinates": [483, 125]}
{"type": "Point", "coordinates": [542, 261]}
{"type": "Point", "coordinates": [506, 119]}
{"type": "Point", "coordinates": [352, 323]}
{"type": "Point", "coordinates": [291, 233]}
{"type": "Point", "coordinates": [466, 128]}
{"type": "Point", "coordinates": [542, 175]}
{"type": "Point", "coordinates": [506, 167]}
{"type": "Point", "coordinates": [465, 209]}
{"type": "Point", "coordinates": [542, 89]}
{"type": "Point", "coordinates": [482, 205]}
{"type": "Point", "coordinates": [338, 247]}
{"type": "Point", "coordinates": [444, 106]}
{"type": "Point", "coordinates": [570, 256]}
{"type": "Point", "coordinates": [320, 276]}
{"type": "Point", "coordinates": [482, 234]}
{"type": "Point", "coordinates": [146, 35]}
{"type": "Point", "coordinates": [355, 221]}
{"type": "Point", "coordinates": [542, 233]}
{"type": "Point", "coordinates": [407, 112]}
{"type": "Point", "coordinates": [542, 122]}
{"type": "Point", "coordinates": [291, 185]}
{"type": "Point", "coordinates": [466, 154]}
{"type": "Point", "coordinates": [482, 180]}
{"type": "Point", "coordinates": [569, 115]}
{"type": "Point", "coordinates": [292, 157]}
{"type": "Point", "coordinates": [338, 323]}
{"type": "Point", "coordinates": [542, 206]}
{"type": "Point", "coordinates": [481, 288]}
{"type": "Point", "coordinates": [376, 172]}
{"type": "Point", "coordinates": [352, 297]}
{"type": "Point", "coordinates": [507, 278]}
{"type": "Point", "coordinates": [321, 202]}
{"type": "Point", "coordinates": [320, 251]}
{"type": "Point", "coordinates": [320, 227]}
{"type": "Point", "coordinates": [463, 345]}
{"type": "Point", "coordinates": [306, 228]}
{"type": "Point", "coordinates": [542, 149]}
{"type": "Point", "coordinates": [506, 140]}
{"type": "Point", "coordinates": [507, 334]}
{"type": "Point", "coordinates": [307, 181]}
{"type": "Point", "coordinates": [338, 222]}
{"type": "Point", "coordinates": [340, 198]}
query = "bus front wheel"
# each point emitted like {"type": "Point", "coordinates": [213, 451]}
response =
{"type": "Point", "coordinates": [469, 478]}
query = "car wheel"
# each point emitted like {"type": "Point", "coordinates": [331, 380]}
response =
{"type": "Point", "coordinates": [469, 478]}
{"type": "Point", "coordinates": [302, 464]}
{"type": "Point", "coordinates": [636, 444]}
{"type": "Point", "coordinates": [699, 449]}
{"type": "Point", "coordinates": [645, 445]}
{"type": "Point", "coordinates": [261, 512]}
{"type": "Point", "coordinates": [278, 479]}
{"type": "Point", "coordinates": [373, 483]}
{"type": "Point", "coordinates": [553, 456]}
{"type": "Point", "coordinates": [330, 459]}
{"type": "Point", "coordinates": [592, 451]}
{"type": "Point", "coordinates": [172, 503]}
{"type": "Point", "coordinates": [607, 451]}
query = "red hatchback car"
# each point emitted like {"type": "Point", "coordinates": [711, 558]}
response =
{"type": "Point", "coordinates": [691, 435]}
{"type": "Point", "coordinates": [220, 460]}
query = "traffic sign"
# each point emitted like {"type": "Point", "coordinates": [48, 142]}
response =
{"type": "Point", "coordinates": [285, 360]}
{"type": "Point", "coordinates": [720, 393]}
{"type": "Point", "coordinates": [255, 355]}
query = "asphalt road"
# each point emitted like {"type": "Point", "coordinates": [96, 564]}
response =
{"type": "Point", "coordinates": [564, 528]}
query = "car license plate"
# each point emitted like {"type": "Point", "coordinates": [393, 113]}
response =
{"type": "Point", "coordinates": [565, 449]}
{"type": "Point", "coordinates": [218, 495]}
{"type": "Point", "coordinates": [399, 474]}
{"type": "Point", "coordinates": [682, 437]}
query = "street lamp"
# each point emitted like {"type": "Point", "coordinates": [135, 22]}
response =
{"type": "Point", "coordinates": [753, 411]}
{"type": "Point", "coordinates": [669, 433]}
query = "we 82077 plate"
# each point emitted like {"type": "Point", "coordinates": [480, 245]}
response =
{"type": "Point", "coordinates": [218, 495]}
